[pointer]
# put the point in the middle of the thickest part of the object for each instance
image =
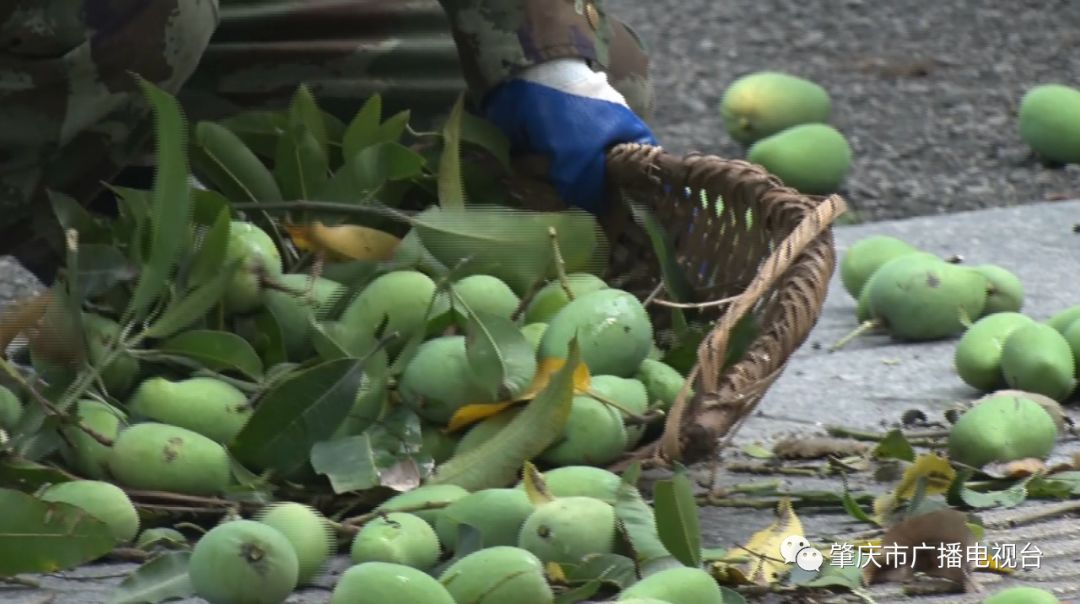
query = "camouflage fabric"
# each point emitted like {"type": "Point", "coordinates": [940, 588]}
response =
{"type": "Point", "coordinates": [417, 54]}
{"type": "Point", "coordinates": [72, 117]}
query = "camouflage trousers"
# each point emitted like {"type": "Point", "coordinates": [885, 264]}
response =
{"type": "Point", "coordinates": [71, 117]}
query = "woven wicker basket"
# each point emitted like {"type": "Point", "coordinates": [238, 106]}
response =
{"type": "Point", "coordinates": [776, 265]}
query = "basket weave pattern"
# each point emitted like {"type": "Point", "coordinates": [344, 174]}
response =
{"type": "Point", "coordinates": [746, 242]}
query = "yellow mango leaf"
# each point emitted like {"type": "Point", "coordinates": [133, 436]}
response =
{"type": "Point", "coordinates": [344, 241]}
{"type": "Point", "coordinates": [535, 487]}
{"type": "Point", "coordinates": [939, 475]}
{"type": "Point", "coordinates": [767, 566]}
{"type": "Point", "coordinates": [728, 574]}
{"type": "Point", "coordinates": [475, 412]}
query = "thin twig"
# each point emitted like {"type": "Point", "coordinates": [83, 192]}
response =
{"type": "Point", "coordinates": [368, 517]}
{"type": "Point", "coordinates": [695, 305]}
{"type": "Point", "coordinates": [1035, 516]}
{"type": "Point", "coordinates": [53, 410]}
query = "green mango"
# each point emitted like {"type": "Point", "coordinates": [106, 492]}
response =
{"type": "Point", "coordinates": [920, 297]}
{"type": "Point", "coordinates": [662, 382]}
{"type": "Point", "coordinates": [411, 253]}
{"type": "Point", "coordinates": [534, 332]}
{"type": "Point", "coordinates": [212, 407]}
{"type": "Point", "coordinates": [436, 443]}
{"type": "Point", "coordinates": [102, 500]}
{"type": "Point", "coordinates": [438, 380]}
{"type": "Point", "coordinates": [811, 158]}
{"type": "Point", "coordinates": [11, 409]}
{"type": "Point", "coordinates": [119, 375]}
{"type": "Point", "coordinates": [497, 575]}
{"type": "Point", "coordinates": [424, 495]}
{"type": "Point", "coordinates": [372, 399]}
{"type": "Point", "coordinates": [594, 435]}
{"type": "Point", "coordinates": [613, 330]}
{"type": "Point", "coordinates": [308, 531]}
{"type": "Point", "coordinates": [568, 529]}
{"type": "Point", "coordinates": [1006, 293]}
{"type": "Point", "coordinates": [862, 308]}
{"type": "Point", "coordinates": [684, 585]}
{"type": "Point", "coordinates": [866, 256]}
{"type": "Point", "coordinates": [486, 294]}
{"type": "Point", "coordinates": [977, 357]}
{"type": "Point", "coordinates": [630, 394]}
{"type": "Point", "coordinates": [551, 298]}
{"type": "Point", "coordinates": [258, 256]}
{"type": "Point", "coordinates": [763, 103]}
{"type": "Point", "coordinates": [385, 582]}
{"type": "Point", "coordinates": [496, 513]}
{"type": "Point", "coordinates": [399, 299]}
{"type": "Point", "coordinates": [1022, 595]}
{"type": "Point", "coordinates": [158, 457]}
{"type": "Point", "coordinates": [161, 537]}
{"type": "Point", "coordinates": [1002, 428]}
{"type": "Point", "coordinates": [89, 457]}
{"type": "Point", "coordinates": [581, 481]}
{"type": "Point", "coordinates": [398, 538]}
{"type": "Point", "coordinates": [1062, 320]}
{"type": "Point", "coordinates": [295, 313]}
{"type": "Point", "coordinates": [1037, 358]}
{"type": "Point", "coordinates": [243, 562]}
{"type": "Point", "coordinates": [1049, 122]}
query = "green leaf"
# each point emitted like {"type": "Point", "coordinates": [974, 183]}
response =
{"type": "Point", "coordinates": [100, 267]}
{"type": "Point", "coordinates": [513, 245]}
{"type": "Point", "coordinates": [369, 169]}
{"type": "Point", "coordinates": [895, 446]}
{"type": "Point", "coordinates": [478, 131]}
{"type": "Point", "coordinates": [221, 160]}
{"type": "Point", "coordinates": [388, 453]}
{"type": "Point", "coordinates": [180, 314]}
{"type": "Point", "coordinates": [350, 463]}
{"type": "Point", "coordinates": [363, 130]}
{"type": "Point", "coordinates": [28, 476]}
{"type": "Point", "coordinates": [162, 578]}
{"type": "Point", "coordinates": [1060, 485]}
{"type": "Point", "coordinates": [269, 341]}
{"type": "Point", "coordinates": [581, 593]}
{"type": "Point", "coordinates": [853, 508]}
{"type": "Point", "coordinates": [133, 207]}
{"type": "Point", "coordinates": [296, 413]}
{"type": "Point", "coordinates": [731, 596]}
{"type": "Point", "coordinates": [170, 206]}
{"type": "Point", "coordinates": [451, 185]}
{"type": "Point", "coordinates": [848, 576]}
{"type": "Point", "coordinates": [38, 536]}
{"type": "Point", "coordinates": [742, 336]}
{"type": "Point", "coordinates": [757, 451]}
{"type": "Point", "coordinates": [259, 130]}
{"type": "Point", "coordinates": [216, 350]}
{"type": "Point", "coordinates": [637, 524]}
{"type": "Point", "coordinates": [211, 252]}
{"type": "Point", "coordinates": [301, 165]}
{"type": "Point", "coordinates": [502, 361]}
{"type": "Point", "coordinates": [304, 112]}
{"type": "Point", "coordinates": [677, 520]}
{"type": "Point", "coordinates": [496, 462]}
{"type": "Point", "coordinates": [391, 130]}
{"type": "Point", "coordinates": [675, 280]}
{"type": "Point", "coordinates": [1007, 498]}
{"type": "Point", "coordinates": [612, 569]}
{"type": "Point", "coordinates": [70, 214]}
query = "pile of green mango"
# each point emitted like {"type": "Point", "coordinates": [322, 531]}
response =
{"type": "Point", "coordinates": [782, 121]}
{"type": "Point", "coordinates": [917, 296]}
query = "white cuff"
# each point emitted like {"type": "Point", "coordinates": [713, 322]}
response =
{"type": "Point", "coordinates": [573, 76]}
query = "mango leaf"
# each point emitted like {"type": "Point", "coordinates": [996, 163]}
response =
{"type": "Point", "coordinates": [852, 507]}
{"type": "Point", "coordinates": [934, 468]}
{"type": "Point", "coordinates": [369, 170]}
{"type": "Point", "coordinates": [180, 314]}
{"type": "Point", "coordinates": [170, 206]}
{"type": "Point", "coordinates": [766, 566]}
{"type": "Point", "coordinates": [1006, 498]}
{"type": "Point", "coordinates": [677, 520]}
{"type": "Point", "coordinates": [301, 165]}
{"type": "Point", "coordinates": [70, 214]}
{"type": "Point", "coordinates": [28, 476]}
{"type": "Point", "coordinates": [162, 578]}
{"type": "Point", "coordinates": [216, 350]}
{"type": "Point", "coordinates": [304, 112]}
{"type": "Point", "coordinates": [297, 412]}
{"type": "Point", "coordinates": [269, 341]}
{"type": "Point", "coordinates": [514, 245]}
{"type": "Point", "coordinates": [495, 462]}
{"type": "Point", "coordinates": [362, 131]}
{"type": "Point", "coordinates": [391, 130]}
{"type": "Point", "coordinates": [451, 186]}
{"type": "Point", "coordinates": [38, 536]}
{"type": "Point", "coordinates": [100, 267]}
{"type": "Point", "coordinates": [675, 280]}
{"type": "Point", "coordinates": [895, 446]}
{"type": "Point", "coordinates": [344, 241]}
{"type": "Point", "coordinates": [612, 569]}
{"type": "Point", "coordinates": [211, 253]}
{"type": "Point", "coordinates": [220, 159]}
{"type": "Point", "coordinates": [1060, 485]}
{"type": "Point", "coordinates": [472, 413]}
{"type": "Point", "coordinates": [535, 487]}
{"type": "Point", "coordinates": [478, 131]}
{"type": "Point", "coordinates": [636, 522]}
{"type": "Point", "coordinates": [848, 576]}
{"type": "Point", "coordinates": [502, 361]}
{"type": "Point", "coordinates": [581, 593]}
{"type": "Point", "coordinates": [259, 130]}
{"type": "Point", "coordinates": [386, 454]}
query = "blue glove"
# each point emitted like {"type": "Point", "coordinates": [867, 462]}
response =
{"type": "Point", "coordinates": [566, 111]}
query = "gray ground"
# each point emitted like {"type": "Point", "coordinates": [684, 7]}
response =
{"type": "Point", "coordinates": [926, 91]}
